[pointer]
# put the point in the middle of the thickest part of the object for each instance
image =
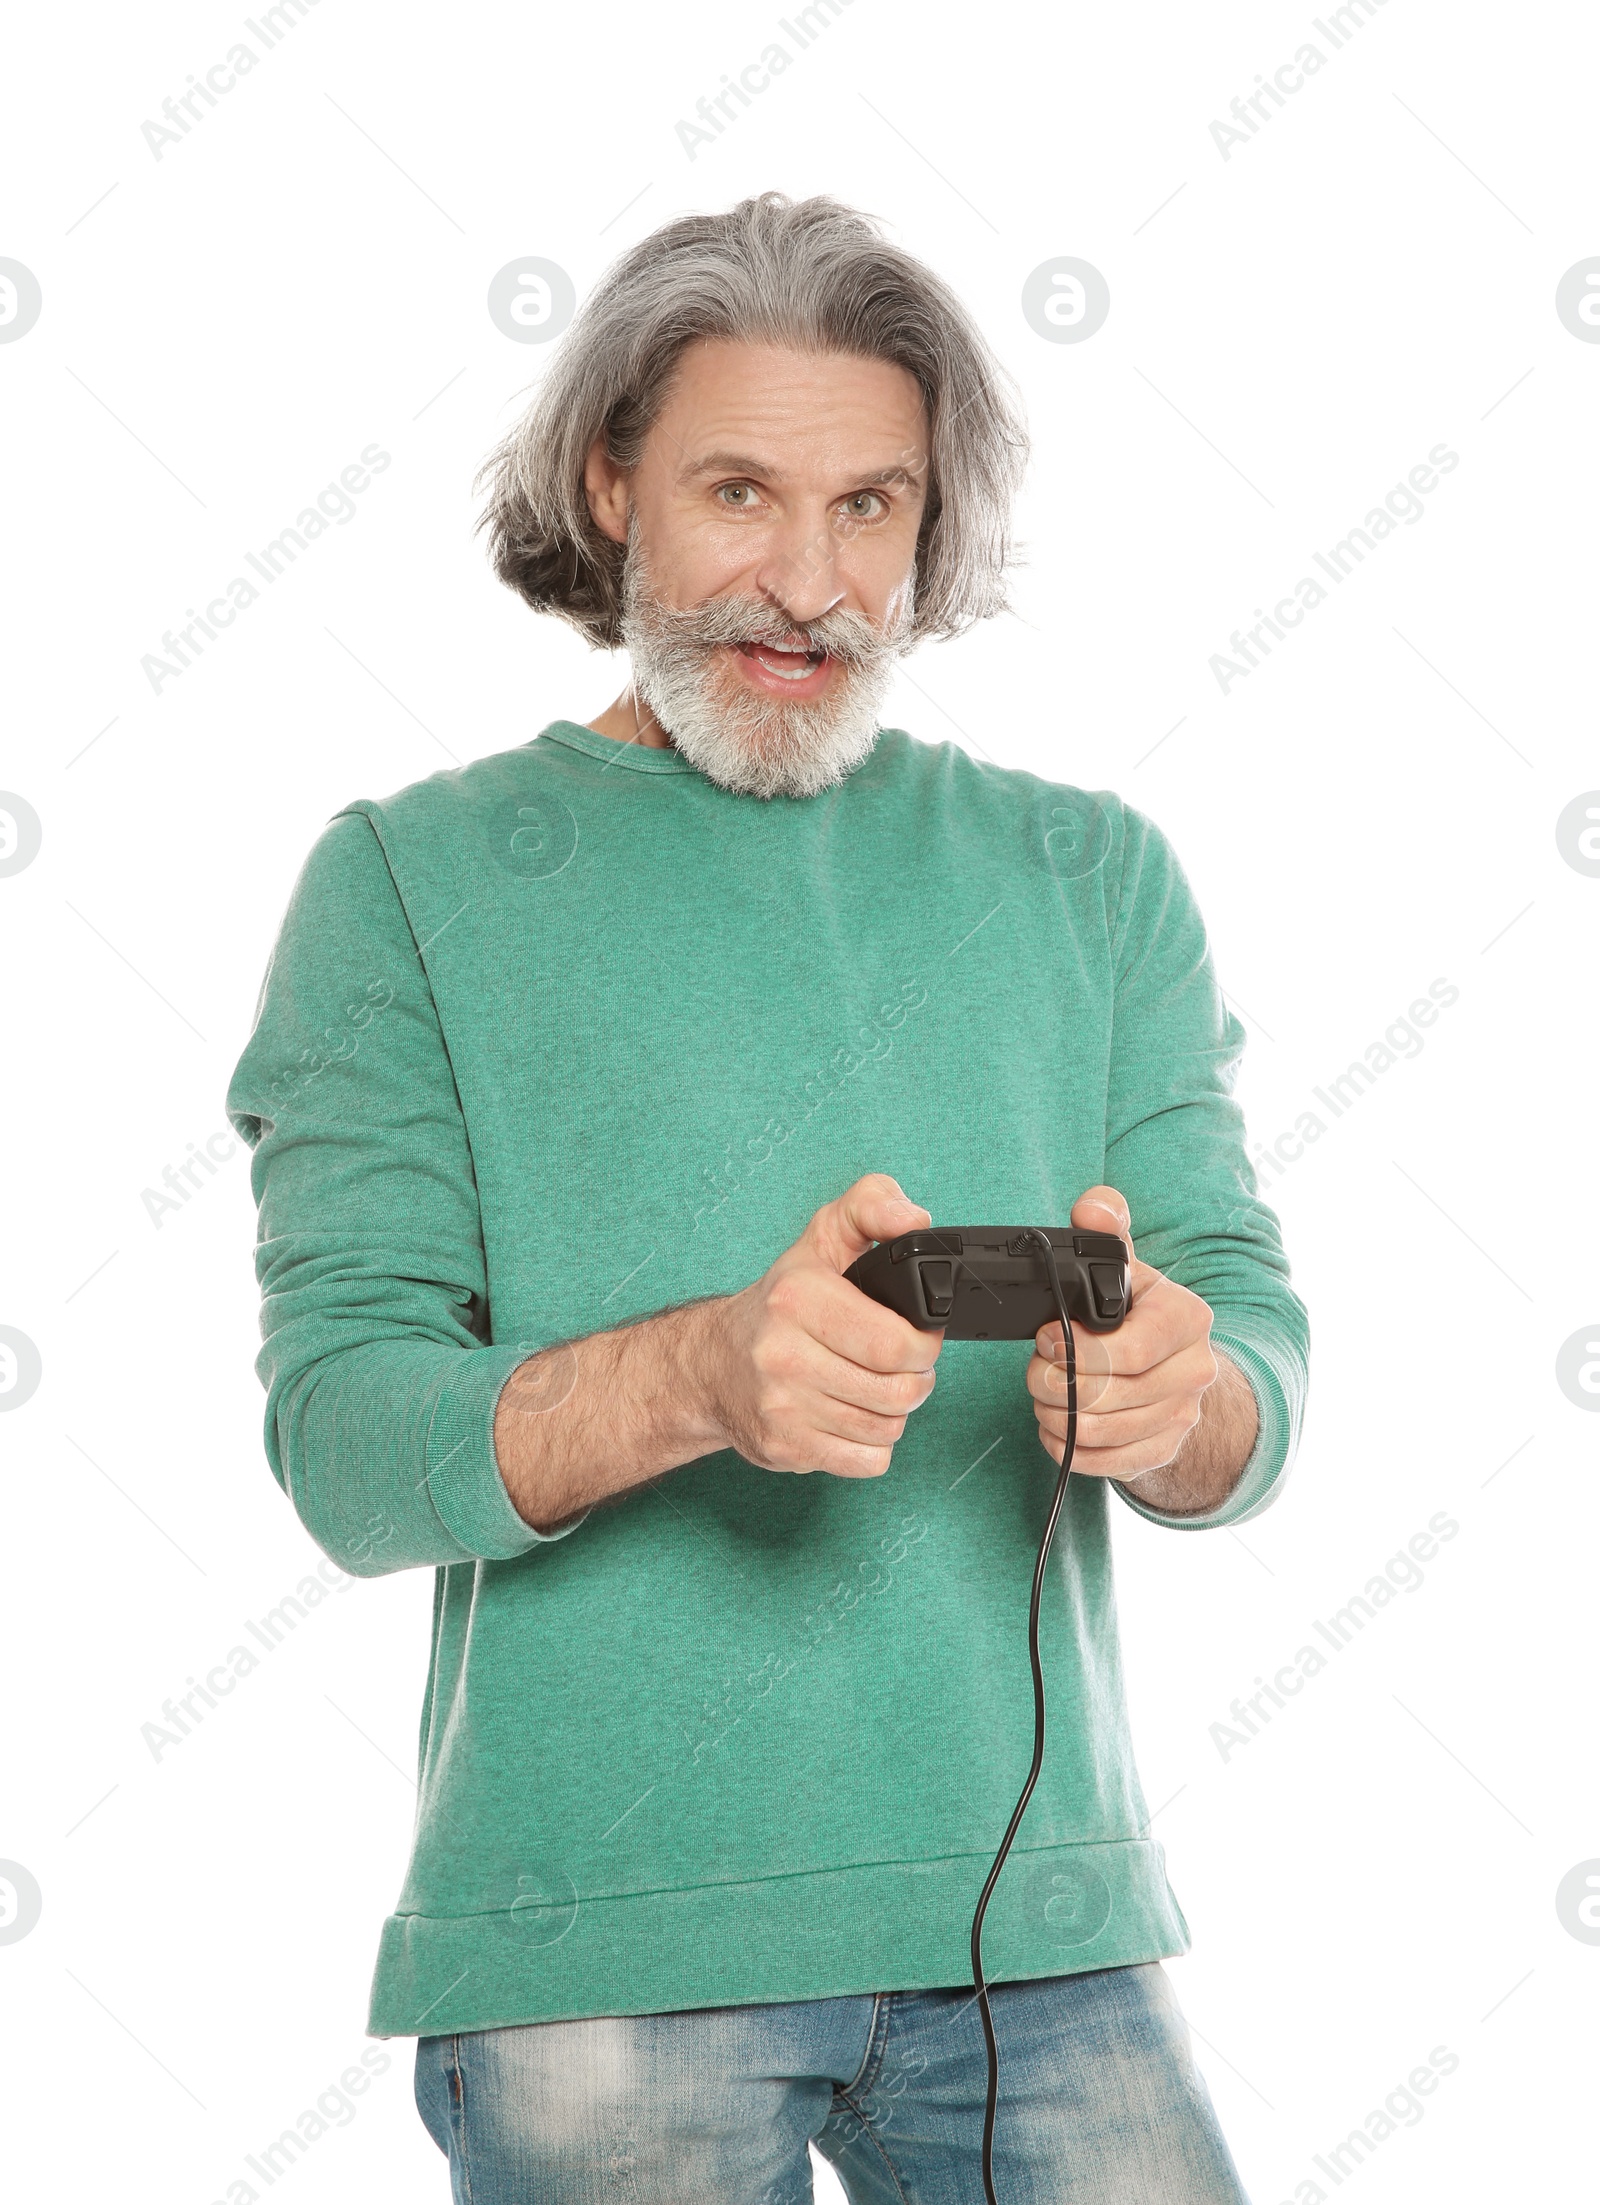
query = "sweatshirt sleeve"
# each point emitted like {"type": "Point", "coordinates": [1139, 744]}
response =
{"type": "Point", "coordinates": [1175, 1146]}
{"type": "Point", "coordinates": [381, 1382]}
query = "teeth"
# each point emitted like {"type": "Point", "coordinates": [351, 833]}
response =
{"type": "Point", "coordinates": [770, 657]}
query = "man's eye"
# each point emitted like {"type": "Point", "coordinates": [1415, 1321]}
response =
{"type": "Point", "coordinates": [740, 490]}
{"type": "Point", "coordinates": [856, 506]}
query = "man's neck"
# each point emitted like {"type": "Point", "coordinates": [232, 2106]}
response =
{"type": "Point", "coordinates": [630, 720]}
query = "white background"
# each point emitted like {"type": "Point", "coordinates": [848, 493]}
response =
{"type": "Point", "coordinates": [1291, 330]}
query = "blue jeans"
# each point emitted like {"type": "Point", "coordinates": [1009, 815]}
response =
{"type": "Point", "coordinates": [1100, 2102]}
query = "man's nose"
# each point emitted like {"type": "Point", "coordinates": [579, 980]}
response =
{"type": "Point", "coordinates": [799, 573]}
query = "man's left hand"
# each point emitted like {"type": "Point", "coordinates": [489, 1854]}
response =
{"type": "Point", "coordinates": [1142, 1390]}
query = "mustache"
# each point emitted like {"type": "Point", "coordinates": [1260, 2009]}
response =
{"type": "Point", "coordinates": [847, 636]}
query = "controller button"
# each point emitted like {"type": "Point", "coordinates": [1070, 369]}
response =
{"type": "Point", "coordinates": [938, 1287]}
{"type": "Point", "coordinates": [1108, 1291]}
{"type": "Point", "coordinates": [925, 1243]}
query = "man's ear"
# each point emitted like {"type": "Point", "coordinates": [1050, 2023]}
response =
{"type": "Point", "coordinates": [606, 487]}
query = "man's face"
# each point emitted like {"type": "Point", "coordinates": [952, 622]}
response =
{"type": "Point", "coordinates": [771, 526]}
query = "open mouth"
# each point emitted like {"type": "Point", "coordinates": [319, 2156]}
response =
{"type": "Point", "coordinates": [793, 666]}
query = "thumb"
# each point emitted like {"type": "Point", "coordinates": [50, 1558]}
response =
{"type": "Point", "coordinates": [1104, 1210]}
{"type": "Point", "coordinates": [873, 1209]}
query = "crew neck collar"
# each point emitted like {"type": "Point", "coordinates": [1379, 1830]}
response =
{"type": "Point", "coordinates": [635, 757]}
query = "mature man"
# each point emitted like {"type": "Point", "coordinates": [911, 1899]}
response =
{"type": "Point", "coordinates": [579, 1078]}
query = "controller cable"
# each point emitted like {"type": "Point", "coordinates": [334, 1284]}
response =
{"type": "Point", "coordinates": [1042, 1240]}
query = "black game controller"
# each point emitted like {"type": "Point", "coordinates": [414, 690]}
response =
{"type": "Point", "coordinates": [989, 1282]}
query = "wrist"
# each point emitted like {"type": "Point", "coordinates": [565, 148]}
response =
{"type": "Point", "coordinates": [693, 1343]}
{"type": "Point", "coordinates": [1208, 1466]}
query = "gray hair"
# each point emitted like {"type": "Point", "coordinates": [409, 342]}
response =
{"type": "Point", "coordinates": [812, 274]}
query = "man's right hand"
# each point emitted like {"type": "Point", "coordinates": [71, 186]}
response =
{"type": "Point", "coordinates": [802, 1371]}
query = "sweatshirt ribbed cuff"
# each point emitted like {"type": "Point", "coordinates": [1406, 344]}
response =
{"type": "Point", "coordinates": [1278, 1407]}
{"type": "Point", "coordinates": [463, 1475]}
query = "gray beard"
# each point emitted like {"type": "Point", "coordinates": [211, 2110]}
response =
{"type": "Point", "coordinates": [751, 744]}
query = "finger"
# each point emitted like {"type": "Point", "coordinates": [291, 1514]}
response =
{"type": "Point", "coordinates": [1090, 1350]}
{"type": "Point", "coordinates": [1190, 1370]}
{"type": "Point", "coordinates": [836, 1458]}
{"type": "Point", "coordinates": [1163, 1318]}
{"type": "Point", "coordinates": [874, 1208]}
{"type": "Point", "coordinates": [1171, 1419]}
{"type": "Point", "coordinates": [835, 1378]}
{"type": "Point", "coordinates": [1143, 1279]}
{"type": "Point", "coordinates": [1128, 1461]}
{"type": "Point", "coordinates": [1104, 1210]}
{"type": "Point", "coordinates": [1125, 1463]}
{"type": "Point", "coordinates": [841, 1420]}
{"type": "Point", "coordinates": [851, 1325]}
{"type": "Point", "coordinates": [1091, 1354]}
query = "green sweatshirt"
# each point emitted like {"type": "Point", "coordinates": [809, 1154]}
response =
{"type": "Point", "coordinates": [573, 1034]}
